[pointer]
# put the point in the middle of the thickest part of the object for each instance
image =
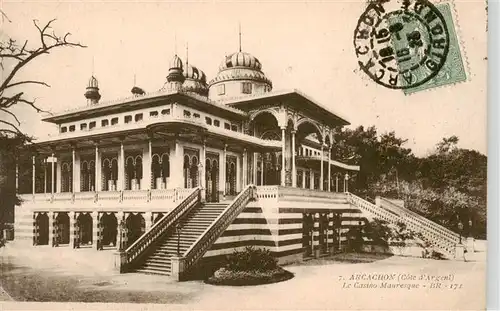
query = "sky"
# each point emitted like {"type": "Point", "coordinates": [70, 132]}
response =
{"type": "Point", "coordinates": [303, 45]}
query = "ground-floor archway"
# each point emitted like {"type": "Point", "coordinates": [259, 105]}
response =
{"type": "Point", "coordinates": [307, 234]}
{"type": "Point", "coordinates": [84, 229]}
{"type": "Point", "coordinates": [109, 229]}
{"type": "Point", "coordinates": [41, 229]}
{"type": "Point", "coordinates": [62, 228]}
{"type": "Point", "coordinates": [136, 226]}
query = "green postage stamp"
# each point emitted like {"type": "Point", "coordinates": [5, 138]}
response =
{"type": "Point", "coordinates": [453, 70]}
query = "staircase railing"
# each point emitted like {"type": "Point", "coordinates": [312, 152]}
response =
{"type": "Point", "coordinates": [442, 242]}
{"type": "Point", "coordinates": [372, 209]}
{"type": "Point", "coordinates": [159, 228]}
{"type": "Point", "coordinates": [445, 232]}
{"type": "Point", "coordinates": [212, 233]}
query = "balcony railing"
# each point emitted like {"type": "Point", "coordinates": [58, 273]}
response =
{"type": "Point", "coordinates": [280, 192]}
{"type": "Point", "coordinates": [128, 196]}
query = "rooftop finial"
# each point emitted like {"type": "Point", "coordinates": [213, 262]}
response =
{"type": "Point", "coordinates": [134, 79]}
{"type": "Point", "coordinates": [187, 54]}
{"type": "Point", "coordinates": [175, 43]}
{"type": "Point", "coordinates": [239, 30]}
{"type": "Point", "coordinates": [92, 65]}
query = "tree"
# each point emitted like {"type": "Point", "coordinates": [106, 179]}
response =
{"type": "Point", "coordinates": [15, 57]}
{"type": "Point", "coordinates": [447, 144]}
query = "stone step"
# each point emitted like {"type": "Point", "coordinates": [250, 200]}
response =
{"type": "Point", "coordinates": [158, 258]}
{"type": "Point", "coordinates": [149, 270]}
{"type": "Point", "coordinates": [155, 266]}
{"type": "Point", "coordinates": [172, 249]}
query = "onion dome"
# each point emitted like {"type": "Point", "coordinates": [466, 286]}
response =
{"type": "Point", "coordinates": [241, 66]}
{"type": "Point", "coordinates": [92, 93]}
{"type": "Point", "coordinates": [175, 71]}
{"type": "Point", "coordinates": [195, 81]}
{"type": "Point", "coordinates": [240, 59]}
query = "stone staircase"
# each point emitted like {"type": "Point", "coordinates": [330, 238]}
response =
{"type": "Point", "coordinates": [178, 240]}
{"type": "Point", "coordinates": [439, 237]}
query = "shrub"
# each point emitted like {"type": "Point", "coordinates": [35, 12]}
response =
{"type": "Point", "coordinates": [251, 259]}
{"type": "Point", "coordinates": [355, 239]}
{"type": "Point", "coordinates": [437, 255]}
{"type": "Point", "coordinates": [224, 276]}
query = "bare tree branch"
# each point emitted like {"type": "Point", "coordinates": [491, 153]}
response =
{"type": "Point", "coordinates": [21, 56]}
{"type": "Point", "coordinates": [18, 131]}
{"type": "Point", "coordinates": [27, 82]}
{"type": "Point", "coordinates": [12, 114]}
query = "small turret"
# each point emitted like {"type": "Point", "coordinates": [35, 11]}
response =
{"type": "Point", "coordinates": [175, 76]}
{"type": "Point", "coordinates": [92, 93]}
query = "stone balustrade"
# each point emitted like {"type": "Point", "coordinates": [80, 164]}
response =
{"type": "Point", "coordinates": [126, 196]}
{"type": "Point", "coordinates": [280, 192]}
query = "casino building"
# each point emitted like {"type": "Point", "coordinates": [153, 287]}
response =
{"type": "Point", "coordinates": [170, 180]}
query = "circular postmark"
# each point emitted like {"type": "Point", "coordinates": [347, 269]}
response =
{"type": "Point", "coordinates": [401, 44]}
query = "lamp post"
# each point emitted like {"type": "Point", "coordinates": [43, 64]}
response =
{"type": "Point", "coordinates": [460, 228]}
{"type": "Point", "coordinates": [470, 227]}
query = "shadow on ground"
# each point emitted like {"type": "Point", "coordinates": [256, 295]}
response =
{"type": "Point", "coordinates": [25, 284]}
{"type": "Point", "coordinates": [344, 258]}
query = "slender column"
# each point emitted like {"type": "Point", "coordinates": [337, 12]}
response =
{"type": "Point", "coordinates": [346, 183]}
{"type": "Point", "coordinates": [294, 168]}
{"type": "Point", "coordinates": [223, 170]}
{"type": "Point", "coordinates": [72, 232]}
{"type": "Point", "coordinates": [53, 182]}
{"type": "Point", "coordinates": [148, 219]}
{"type": "Point", "coordinates": [96, 238]}
{"type": "Point", "coordinates": [304, 179]}
{"type": "Point", "coordinates": [336, 183]}
{"type": "Point", "coordinates": [321, 170]}
{"type": "Point", "coordinates": [51, 228]}
{"type": "Point", "coordinates": [262, 169]}
{"type": "Point", "coordinates": [146, 167]}
{"type": "Point", "coordinates": [73, 170]}
{"type": "Point", "coordinates": [316, 246]}
{"type": "Point", "coordinates": [283, 149]}
{"type": "Point", "coordinates": [176, 166]}
{"type": "Point", "coordinates": [254, 171]}
{"type": "Point", "coordinates": [121, 168]}
{"type": "Point", "coordinates": [33, 175]}
{"type": "Point", "coordinates": [58, 174]}
{"type": "Point", "coordinates": [45, 175]}
{"type": "Point", "coordinates": [311, 179]}
{"type": "Point", "coordinates": [98, 168]}
{"type": "Point", "coordinates": [120, 216]}
{"type": "Point", "coordinates": [329, 170]}
{"type": "Point", "coordinates": [245, 168]}
{"type": "Point", "coordinates": [203, 159]}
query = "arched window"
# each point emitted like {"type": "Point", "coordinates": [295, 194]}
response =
{"type": "Point", "coordinates": [87, 175]}
{"type": "Point", "coordinates": [133, 172]}
{"type": "Point", "coordinates": [66, 177]}
{"type": "Point", "coordinates": [160, 167]}
{"type": "Point", "coordinates": [109, 174]}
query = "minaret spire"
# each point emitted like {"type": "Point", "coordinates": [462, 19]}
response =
{"type": "Point", "coordinates": [187, 54]}
{"type": "Point", "coordinates": [92, 65]}
{"type": "Point", "coordinates": [175, 43]}
{"type": "Point", "coordinates": [239, 31]}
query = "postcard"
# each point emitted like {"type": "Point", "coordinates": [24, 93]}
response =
{"type": "Point", "coordinates": [243, 155]}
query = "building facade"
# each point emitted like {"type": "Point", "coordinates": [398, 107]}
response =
{"type": "Point", "coordinates": [219, 165]}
